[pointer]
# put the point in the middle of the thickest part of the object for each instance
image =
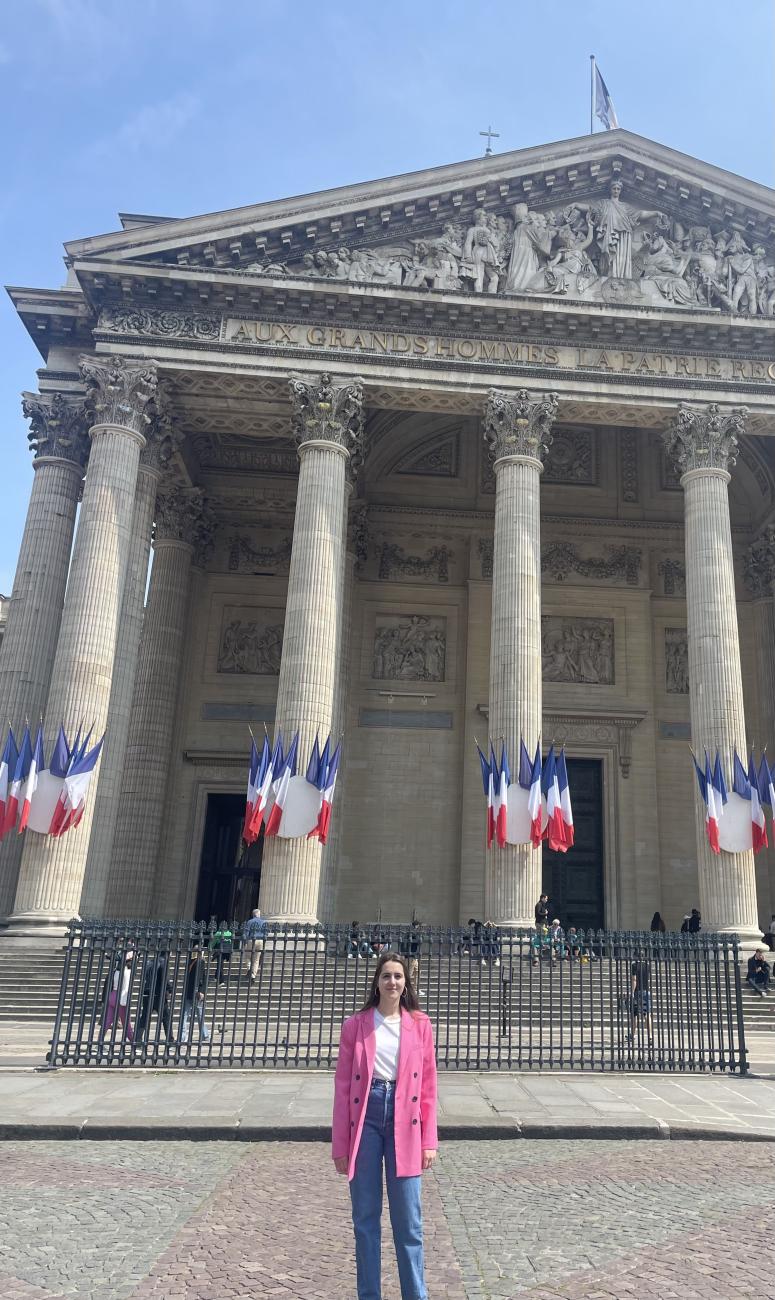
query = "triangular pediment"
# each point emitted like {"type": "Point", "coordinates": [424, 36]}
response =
{"type": "Point", "coordinates": [609, 218]}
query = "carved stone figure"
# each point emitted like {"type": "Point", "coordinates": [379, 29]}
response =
{"type": "Point", "coordinates": [615, 224]}
{"type": "Point", "coordinates": [531, 237]}
{"type": "Point", "coordinates": [436, 262]}
{"type": "Point", "coordinates": [578, 650]}
{"type": "Point", "coordinates": [676, 661]}
{"type": "Point", "coordinates": [742, 268]}
{"type": "Point", "coordinates": [410, 649]}
{"type": "Point", "coordinates": [481, 262]}
{"type": "Point", "coordinates": [251, 646]}
{"type": "Point", "coordinates": [570, 271]}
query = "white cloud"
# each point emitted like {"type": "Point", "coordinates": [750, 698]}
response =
{"type": "Point", "coordinates": [152, 127]}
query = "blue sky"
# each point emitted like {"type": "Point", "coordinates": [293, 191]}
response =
{"type": "Point", "coordinates": [178, 107]}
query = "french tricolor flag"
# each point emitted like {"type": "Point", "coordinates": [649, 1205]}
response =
{"type": "Point", "coordinates": [534, 804]}
{"type": "Point", "coordinates": [248, 834]}
{"type": "Point", "coordinates": [565, 804]}
{"type": "Point", "coordinates": [317, 774]}
{"type": "Point", "coordinates": [324, 818]}
{"type": "Point", "coordinates": [492, 798]}
{"type": "Point", "coordinates": [502, 800]}
{"type": "Point", "coordinates": [16, 787]}
{"type": "Point", "coordinates": [758, 824]}
{"type": "Point", "coordinates": [555, 830]}
{"type": "Point", "coordinates": [72, 800]}
{"type": "Point", "coordinates": [489, 794]}
{"type": "Point", "coordinates": [7, 769]}
{"type": "Point", "coordinates": [280, 784]}
{"type": "Point", "coordinates": [713, 807]}
{"type": "Point", "coordinates": [37, 764]}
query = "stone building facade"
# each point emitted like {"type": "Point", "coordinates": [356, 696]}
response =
{"type": "Point", "coordinates": [481, 450]}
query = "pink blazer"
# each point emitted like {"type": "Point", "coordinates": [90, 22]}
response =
{"type": "Point", "coordinates": [415, 1102]}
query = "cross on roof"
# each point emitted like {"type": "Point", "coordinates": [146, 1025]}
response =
{"type": "Point", "coordinates": [491, 135]}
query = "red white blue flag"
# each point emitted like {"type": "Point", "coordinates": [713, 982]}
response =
{"type": "Point", "coordinates": [7, 769]}
{"type": "Point", "coordinates": [37, 764]}
{"type": "Point", "coordinates": [565, 804]}
{"type": "Point", "coordinates": [16, 786]}
{"type": "Point", "coordinates": [489, 794]}
{"type": "Point", "coordinates": [534, 803]}
{"type": "Point", "coordinates": [758, 823]}
{"type": "Point", "coordinates": [324, 817]}
{"type": "Point", "coordinates": [72, 800]}
{"type": "Point", "coordinates": [248, 834]}
{"type": "Point", "coordinates": [281, 782]}
{"type": "Point", "coordinates": [502, 799]}
{"type": "Point", "coordinates": [555, 831]}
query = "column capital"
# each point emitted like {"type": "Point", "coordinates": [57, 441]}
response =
{"type": "Point", "coordinates": [704, 438]}
{"type": "Point", "coordinates": [121, 390]}
{"type": "Point", "coordinates": [58, 426]}
{"type": "Point", "coordinates": [162, 438]}
{"type": "Point", "coordinates": [183, 516]}
{"type": "Point", "coordinates": [328, 412]}
{"type": "Point", "coordinates": [759, 563]}
{"type": "Point", "coordinates": [518, 424]}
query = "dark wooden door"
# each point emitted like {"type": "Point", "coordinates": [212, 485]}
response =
{"type": "Point", "coordinates": [574, 880]}
{"type": "Point", "coordinates": [230, 871]}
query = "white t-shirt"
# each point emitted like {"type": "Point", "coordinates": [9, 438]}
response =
{"type": "Point", "coordinates": [125, 974]}
{"type": "Point", "coordinates": [388, 1036]}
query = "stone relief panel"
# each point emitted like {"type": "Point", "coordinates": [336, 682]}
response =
{"type": "Point", "coordinates": [559, 560]}
{"type": "Point", "coordinates": [578, 650]}
{"type": "Point", "coordinates": [676, 661]}
{"type": "Point", "coordinates": [612, 249]}
{"type": "Point", "coordinates": [630, 485]}
{"type": "Point", "coordinates": [396, 563]}
{"type": "Point", "coordinates": [571, 459]}
{"type": "Point", "coordinates": [436, 459]}
{"type": "Point", "coordinates": [251, 641]}
{"type": "Point", "coordinates": [245, 556]}
{"type": "Point", "coordinates": [486, 548]}
{"type": "Point", "coordinates": [409, 648]}
{"type": "Point", "coordinates": [167, 324]}
{"type": "Point", "coordinates": [672, 571]}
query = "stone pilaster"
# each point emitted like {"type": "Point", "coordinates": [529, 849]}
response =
{"type": "Point", "coordinates": [328, 430]}
{"type": "Point", "coordinates": [517, 428]}
{"type": "Point", "coordinates": [52, 871]}
{"type": "Point", "coordinates": [702, 443]}
{"type": "Point", "coordinates": [161, 443]}
{"type": "Point", "coordinates": [58, 438]}
{"type": "Point", "coordinates": [183, 533]}
{"type": "Point", "coordinates": [759, 571]}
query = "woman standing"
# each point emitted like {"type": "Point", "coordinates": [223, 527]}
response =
{"type": "Point", "coordinates": [385, 1109]}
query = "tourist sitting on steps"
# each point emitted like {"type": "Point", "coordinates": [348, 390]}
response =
{"type": "Point", "coordinates": [557, 940]}
{"type": "Point", "coordinates": [758, 973]}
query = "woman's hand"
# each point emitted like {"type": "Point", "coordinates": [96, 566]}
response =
{"type": "Point", "coordinates": [428, 1158]}
{"type": "Point", "coordinates": [340, 1165]}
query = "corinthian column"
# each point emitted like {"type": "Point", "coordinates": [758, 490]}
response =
{"type": "Point", "coordinates": [52, 871]}
{"type": "Point", "coordinates": [59, 440]}
{"type": "Point", "coordinates": [183, 525]}
{"type": "Point", "coordinates": [328, 430]}
{"type": "Point", "coordinates": [517, 428]}
{"type": "Point", "coordinates": [161, 441]}
{"type": "Point", "coordinates": [703, 444]}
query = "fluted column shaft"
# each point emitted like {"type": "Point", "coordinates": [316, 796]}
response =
{"type": "Point", "coordinates": [99, 861]}
{"type": "Point", "coordinates": [727, 882]}
{"type": "Point", "coordinates": [52, 871]}
{"type": "Point", "coordinates": [146, 767]}
{"type": "Point", "coordinates": [290, 872]}
{"type": "Point", "coordinates": [35, 614]}
{"type": "Point", "coordinates": [513, 873]}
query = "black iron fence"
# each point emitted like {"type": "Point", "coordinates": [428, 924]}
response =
{"type": "Point", "coordinates": [181, 994]}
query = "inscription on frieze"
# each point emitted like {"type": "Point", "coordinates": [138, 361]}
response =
{"type": "Point", "coordinates": [251, 641]}
{"type": "Point", "coordinates": [578, 650]}
{"type": "Point", "coordinates": [409, 648]}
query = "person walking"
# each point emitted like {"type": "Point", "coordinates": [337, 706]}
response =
{"type": "Point", "coordinates": [385, 1111]}
{"type": "Point", "coordinates": [194, 997]}
{"type": "Point", "coordinates": [410, 949]}
{"type": "Point", "coordinates": [222, 945]}
{"type": "Point", "coordinates": [118, 996]}
{"type": "Point", "coordinates": [542, 911]}
{"type": "Point", "coordinates": [695, 921]}
{"type": "Point", "coordinates": [157, 991]}
{"type": "Point", "coordinates": [254, 934]}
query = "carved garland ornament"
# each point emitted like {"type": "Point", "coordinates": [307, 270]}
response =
{"type": "Point", "coordinates": [562, 558]}
{"type": "Point", "coordinates": [167, 324]}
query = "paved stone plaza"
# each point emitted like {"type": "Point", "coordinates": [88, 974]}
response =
{"type": "Point", "coordinates": [206, 1221]}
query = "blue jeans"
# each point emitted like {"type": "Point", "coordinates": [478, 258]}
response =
{"type": "Point", "coordinates": [376, 1143]}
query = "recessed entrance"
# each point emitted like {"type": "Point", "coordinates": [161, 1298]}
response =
{"type": "Point", "coordinates": [574, 880]}
{"type": "Point", "coordinates": [230, 871]}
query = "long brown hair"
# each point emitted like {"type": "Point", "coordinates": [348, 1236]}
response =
{"type": "Point", "coordinates": [409, 999]}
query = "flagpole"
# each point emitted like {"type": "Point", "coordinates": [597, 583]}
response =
{"type": "Point", "coordinates": [591, 94]}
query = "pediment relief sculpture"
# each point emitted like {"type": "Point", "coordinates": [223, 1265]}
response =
{"type": "Point", "coordinates": [607, 249]}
